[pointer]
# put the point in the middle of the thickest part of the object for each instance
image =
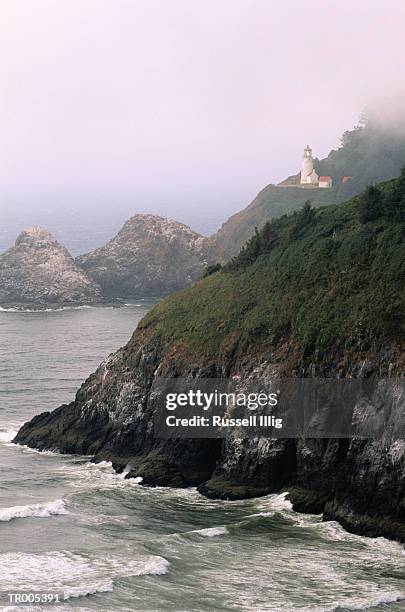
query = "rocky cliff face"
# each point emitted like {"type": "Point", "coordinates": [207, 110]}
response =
{"type": "Point", "coordinates": [40, 272]}
{"type": "Point", "coordinates": [357, 482]}
{"type": "Point", "coordinates": [150, 256]}
{"type": "Point", "coordinates": [316, 295]}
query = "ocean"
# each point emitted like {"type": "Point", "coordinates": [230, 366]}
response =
{"type": "Point", "coordinates": [76, 529]}
{"type": "Point", "coordinates": [80, 231]}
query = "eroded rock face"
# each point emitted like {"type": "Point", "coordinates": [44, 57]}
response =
{"type": "Point", "coordinates": [112, 419]}
{"type": "Point", "coordinates": [39, 271]}
{"type": "Point", "coordinates": [150, 256]}
{"type": "Point", "coordinates": [358, 482]}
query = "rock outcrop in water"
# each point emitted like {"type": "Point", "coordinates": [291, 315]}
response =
{"type": "Point", "coordinates": [150, 256]}
{"type": "Point", "coordinates": [319, 294]}
{"type": "Point", "coordinates": [40, 272]}
{"type": "Point", "coordinates": [357, 482]}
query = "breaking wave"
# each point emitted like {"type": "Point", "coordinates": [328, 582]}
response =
{"type": "Point", "coordinates": [100, 475]}
{"type": "Point", "coordinates": [35, 510]}
{"type": "Point", "coordinates": [23, 310]}
{"type": "Point", "coordinates": [74, 575]}
{"type": "Point", "coordinates": [211, 532]}
{"type": "Point", "coordinates": [8, 434]}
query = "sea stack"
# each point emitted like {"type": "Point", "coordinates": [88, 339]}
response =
{"type": "Point", "coordinates": [38, 271]}
{"type": "Point", "coordinates": [150, 256]}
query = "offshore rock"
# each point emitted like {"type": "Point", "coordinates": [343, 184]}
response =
{"type": "Point", "coordinates": [38, 271]}
{"type": "Point", "coordinates": [150, 256]}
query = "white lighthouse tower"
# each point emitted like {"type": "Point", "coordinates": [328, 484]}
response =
{"type": "Point", "coordinates": [308, 174]}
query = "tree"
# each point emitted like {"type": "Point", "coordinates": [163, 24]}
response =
{"type": "Point", "coordinates": [304, 218]}
{"type": "Point", "coordinates": [394, 201]}
{"type": "Point", "coordinates": [370, 204]}
{"type": "Point", "coordinates": [211, 269]}
{"type": "Point", "coordinates": [269, 236]}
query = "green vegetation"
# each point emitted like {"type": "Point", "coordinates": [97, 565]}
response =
{"type": "Point", "coordinates": [323, 277]}
{"type": "Point", "coordinates": [271, 203]}
{"type": "Point", "coordinates": [370, 204]}
{"type": "Point", "coordinates": [211, 269]}
{"type": "Point", "coordinates": [369, 153]}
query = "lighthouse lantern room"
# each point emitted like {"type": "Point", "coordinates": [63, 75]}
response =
{"type": "Point", "coordinates": [308, 174]}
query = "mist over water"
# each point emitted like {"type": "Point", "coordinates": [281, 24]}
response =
{"type": "Point", "coordinates": [183, 109]}
{"type": "Point", "coordinates": [85, 223]}
{"type": "Point", "coordinates": [81, 231]}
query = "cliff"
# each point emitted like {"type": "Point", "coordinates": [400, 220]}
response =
{"type": "Point", "coordinates": [150, 256]}
{"type": "Point", "coordinates": [38, 271]}
{"type": "Point", "coordinates": [369, 153]}
{"type": "Point", "coordinates": [319, 293]}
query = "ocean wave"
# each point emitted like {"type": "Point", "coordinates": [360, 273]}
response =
{"type": "Point", "coordinates": [36, 451]}
{"type": "Point", "coordinates": [73, 574]}
{"type": "Point", "coordinates": [370, 603]}
{"type": "Point", "coordinates": [211, 532]}
{"type": "Point", "coordinates": [7, 435]}
{"type": "Point", "coordinates": [274, 502]}
{"type": "Point", "coordinates": [99, 476]}
{"type": "Point", "coordinates": [23, 310]}
{"type": "Point", "coordinates": [43, 510]}
{"type": "Point", "coordinates": [103, 587]}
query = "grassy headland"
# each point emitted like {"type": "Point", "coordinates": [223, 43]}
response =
{"type": "Point", "coordinates": [326, 277]}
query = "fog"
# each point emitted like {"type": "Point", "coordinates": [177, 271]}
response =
{"type": "Point", "coordinates": [184, 108]}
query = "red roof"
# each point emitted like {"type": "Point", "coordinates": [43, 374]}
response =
{"type": "Point", "coordinates": [325, 178]}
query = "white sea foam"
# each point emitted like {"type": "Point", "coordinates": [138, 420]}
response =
{"type": "Point", "coordinates": [332, 530]}
{"type": "Point", "coordinates": [101, 475]}
{"type": "Point", "coordinates": [8, 431]}
{"type": "Point", "coordinates": [75, 575]}
{"type": "Point", "coordinates": [369, 602]}
{"type": "Point", "coordinates": [101, 587]}
{"type": "Point", "coordinates": [276, 503]}
{"type": "Point", "coordinates": [35, 510]}
{"type": "Point", "coordinates": [27, 449]}
{"type": "Point", "coordinates": [44, 453]}
{"type": "Point", "coordinates": [39, 310]}
{"type": "Point", "coordinates": [9, 309]}
{"type": "Point", "coordinates": [270, 504]}
{"type": "Point", "coordinates": [211, 532]}
{"type": "Point", "coordinates": [7, 435]}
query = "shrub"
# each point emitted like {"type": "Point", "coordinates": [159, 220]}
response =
{"type": "Point", "coordinates": [211, 269]}
{"type": "Point", "coordinates": [370, 205]}
{"type": "Point", "coordinates": [304, 218]}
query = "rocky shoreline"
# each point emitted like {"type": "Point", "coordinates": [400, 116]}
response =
{"type": "Point", "coordinates": [356, 482]}
{"type": "Point", "coordinates": [150, 257]}
{"type": "Point", "coordinates": [317, 295]}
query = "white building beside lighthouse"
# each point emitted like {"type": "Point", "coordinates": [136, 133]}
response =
{"type": "Point", "coordinates": [308, 177]}
{"type": "Point", "coordinates": [308, 174]}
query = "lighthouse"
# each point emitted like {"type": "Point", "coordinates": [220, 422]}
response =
{"type": "Point", "coordinates": [308, 174]}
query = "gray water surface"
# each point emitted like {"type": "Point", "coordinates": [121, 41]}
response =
{"type": "Point", "coordinates": [107, 543]}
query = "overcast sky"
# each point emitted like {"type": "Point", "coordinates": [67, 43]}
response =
{"type": "Point", "coordinates": [181, 106]}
